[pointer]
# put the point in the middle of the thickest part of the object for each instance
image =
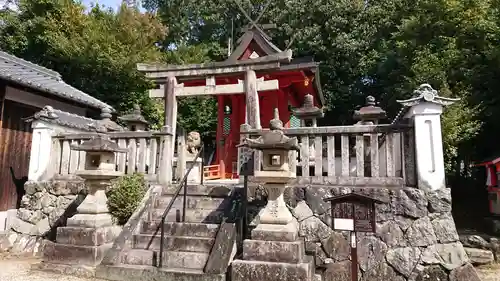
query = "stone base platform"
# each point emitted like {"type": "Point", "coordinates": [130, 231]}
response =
{"type": "Point", "coordinates": [78, 250]}
{"type": "Point", "coordinates": [248, 270]}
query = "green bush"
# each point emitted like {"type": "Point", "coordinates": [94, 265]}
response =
{"type": "Point", "coordinates": [125, 195]}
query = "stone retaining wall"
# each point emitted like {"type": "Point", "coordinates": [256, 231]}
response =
{"type": "Point", "coordinates": [416, 237]}
{"type": "Point", "coordinates": [45, 206]}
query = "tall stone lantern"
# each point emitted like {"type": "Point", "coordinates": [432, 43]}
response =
{"type": "Point", "coordinates": [308, 112]}
{"type": "Point", "coordinates": [134, 120]}
{"type": "Point", "coordinates": [370, 114]}
{"type": "Point", "coordinates": [275, 252]}
{"type": "Point", "coordinates": [90, 232]}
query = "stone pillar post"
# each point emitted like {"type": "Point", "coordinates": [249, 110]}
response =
{"type": "Point", "coordinates": [41, 148]}
{"type": "Point", "coordinates": [425, 112]}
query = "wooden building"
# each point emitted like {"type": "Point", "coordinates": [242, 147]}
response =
{"type": "Point", "coordinates": [281, 82]}
{"type": "Point", "coordinates": [26, 88]}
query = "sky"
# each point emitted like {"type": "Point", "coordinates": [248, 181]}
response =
{"type": "Point", "coordinates": [114, 4]}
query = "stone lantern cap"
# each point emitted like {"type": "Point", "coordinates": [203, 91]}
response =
{"type": "Point", "coordinates": [100, 143]}
{"type": "Point", "coordinates": [308, 109]}
{"type": "Point", "coordinates": [272, 139]}
{"type": "Point", "coordinates": [370, 111]}
{"type": "Point", "coordinates": [134, 117]}
{"type": "Point", "coordinates": [106, 123]}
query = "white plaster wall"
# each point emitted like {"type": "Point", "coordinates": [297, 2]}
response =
{"type": "Point", "coordinates": [35, 100]}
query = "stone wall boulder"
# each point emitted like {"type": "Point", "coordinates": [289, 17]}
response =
{"type": "Point", "coordinates": [415, 240]}
{"type": "Point", "coordinates": [45, 206]}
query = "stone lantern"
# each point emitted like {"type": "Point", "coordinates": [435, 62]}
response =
{"type": "Point", "coordinates": [106, 124]}
{"type": "Point", "coordinates": [134, 120]}
{"type": "Point", "coordinates": [308, 112]}
{"type": "Point", "coordinates": [274, 247]}
{"type": "Point", "coordinates": [90, 232]}
{"type": "Point", "coordinates": [370, 114]}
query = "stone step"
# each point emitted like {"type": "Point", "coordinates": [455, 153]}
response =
{"type": "Point", "coordinates": [192, 215]}
{"type": "Point", "coordinates": [207, 190]}
{"type": "Point", "coordinates": [181, 229]}
{"type": "Point", "coordinates": [125, 272]}
{"type": "Point", "coordinates": [194, 202]}
{"type": "Point", "coordinates": [173, 243]}
{"type": "Point", "coordinates": [171, 259]}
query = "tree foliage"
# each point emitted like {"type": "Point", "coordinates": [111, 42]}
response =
{"type": "Point", "coordinates": [384, 48]}
{"type": "Point", "coordinates": [96, 52]}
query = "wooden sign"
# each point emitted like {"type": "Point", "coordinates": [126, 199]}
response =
{"type": "Point", "coordinates": [353, 212]}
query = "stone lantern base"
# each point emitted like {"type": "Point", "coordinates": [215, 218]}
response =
{"type": "Point", "coordinates": [82, 244]}
{"type": "Point", "coordinates": [275, 253]}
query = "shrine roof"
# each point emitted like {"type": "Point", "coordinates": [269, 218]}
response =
{"type": "Point", "coordinates": [260, 39]}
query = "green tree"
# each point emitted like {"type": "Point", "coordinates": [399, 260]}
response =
{"type": "Point", "coordinates": [96, 52]}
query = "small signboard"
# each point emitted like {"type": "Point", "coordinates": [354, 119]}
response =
{"type": "Point", "coordinates": [353, 212]}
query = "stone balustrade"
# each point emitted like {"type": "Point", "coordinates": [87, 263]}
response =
{"type": "Point", "coordinates": [351, 155]}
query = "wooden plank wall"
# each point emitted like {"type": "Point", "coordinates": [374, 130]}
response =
{"type": "Point", "coordinates": [15, 147]}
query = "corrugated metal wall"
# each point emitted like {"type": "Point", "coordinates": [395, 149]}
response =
{"type": "Point", "coordinates": [15, 146]}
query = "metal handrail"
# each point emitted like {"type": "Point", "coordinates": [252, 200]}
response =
{"type": "Point", "coordinates": [183, 183]}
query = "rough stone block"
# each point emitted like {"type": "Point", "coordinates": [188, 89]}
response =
{"type": "Point", "coordinates": [404, 260]}
{"type": "Point", "coordinates": [479, 257]}
{"type": "Point", "coordinates": [421, 233]}
{"type": "Point", "coordinates": [439, 200]}
{"type": "Point", "coordinates": [302, 211]}
{"type": "Point", "coordinates": [21, 226]}
{"type": "Point", "coordinates": [72, 254]}
{"type": "Point", "coordinates": [371, 252]}
{"type": "Point", "coordinates": [410, 202]}
{"type": "Point", "coordinates": [243, 270]}
{"type": "Point", "coordinates": [337, 246]}
{"type": "Point", "coordinates": [444, 228]}
{"type": "Point", "coordinates": [340, 271]}
{"type": "Point", "coordinates": [464, 273]}
{"type": "Point", "coordinates": [453, 255]}
{"type": "Point", "coordinates": [314, 230]}
{"type": "Point", "coordinates": [382, 272]}
{"type": "Point", "coordinates": [273, 251]}
{"type": "Point", "coordinates": [432, 273]}
{"type": "Point", "coordinates": [87, 236]}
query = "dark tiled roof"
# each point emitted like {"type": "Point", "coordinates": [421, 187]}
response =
{"type": "Point", "coordinates": [42, 79]}
{"type": "Point", "coordinates": [67, 119]}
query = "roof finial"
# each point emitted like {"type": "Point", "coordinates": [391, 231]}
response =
{"type": "Point", "coordinates": [276, 123]}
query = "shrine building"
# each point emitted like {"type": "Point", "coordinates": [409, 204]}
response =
{"type": "Point", "coordinates": [281, 82]}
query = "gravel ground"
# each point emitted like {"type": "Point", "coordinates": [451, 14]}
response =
{"type": "Point", "coordinates": [489, 273]}
{"type": "Point", "coordinates": [19, 269]}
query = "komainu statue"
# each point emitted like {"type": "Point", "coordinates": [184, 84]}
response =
{"type": "Point", "coordinates": [193, 143]}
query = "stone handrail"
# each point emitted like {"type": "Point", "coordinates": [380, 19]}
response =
{"type": "Point", "coordinates": [350, 155]}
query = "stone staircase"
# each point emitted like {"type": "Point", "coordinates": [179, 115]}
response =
{"type": "Point", "coordinates": [187, 245]}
